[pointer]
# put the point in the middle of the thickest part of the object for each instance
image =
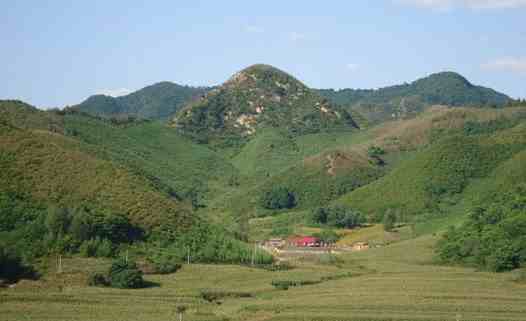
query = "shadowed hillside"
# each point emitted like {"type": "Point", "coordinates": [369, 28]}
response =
{"type": "Point", "coordinates": [158, 102]}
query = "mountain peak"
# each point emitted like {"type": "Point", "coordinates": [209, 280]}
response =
{"type": "Point", "coordinates": [447, 77]}
{"type": "Point", "coordinates": [256, 97]}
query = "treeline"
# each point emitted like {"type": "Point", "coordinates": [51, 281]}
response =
{"type": "Point", "coordinates": [29, 231]}
{"type": "Point", "coordinates": [337, 216]}
{"type": "Point", "coordinates": [493, 237]}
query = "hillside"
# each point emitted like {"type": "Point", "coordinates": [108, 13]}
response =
{"type": "Point", "coordinates": [258, 97]}
{"type": "Point", "coordinates": [402, 101]}
{"type": "Point", "coordinates": [172, 163]}
{"type": "Point", "coordinates": [48, 168]}
{"type": "Point", "coordinates": [157, 102]}
{"type": "Point", "coordinates": [452, 172]}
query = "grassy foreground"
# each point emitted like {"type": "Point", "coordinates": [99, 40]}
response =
{"type": "Point", "coordinates": [397, 282]}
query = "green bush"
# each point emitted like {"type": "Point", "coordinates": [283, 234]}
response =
{"type": "Point", "coordinates": [328, 236]}
{"type": "Point", "coordinates": [96, 248]}
{"type": "Point", "coordinates": [389, 220]}
{"type": "Point", "coordinates": [98, 279]}
{"type": "Point", "coordinates": [125, 275]}
{"type": "Point", "coordinates": [104, 249]}
{"type": "Point", "coordinates": [216, 295]}
{"type": "Point", "coordinates": [164, 263]}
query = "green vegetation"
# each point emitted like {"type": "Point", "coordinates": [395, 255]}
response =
{"type": "Point", "coordinates": [158, 102]}
{"type": "Point", "coordinates": [259, 97]}
{"type": "Point", "coordinates": [407, 100]}
{"type": "Point", "coordinates": [106, 200]}
{"type": "Point", "coordinates": [12, 267]}
{"type": "Point", "coordinates": [125, 275]}
{"type": "Point", "coordinates": [336, 216]}
{"type": "Point", "coordinates": [437, 177]}
{"type": "Point", "coordinates": [492, 237]}
{"type": "Point", "coordinates": [278, 198]}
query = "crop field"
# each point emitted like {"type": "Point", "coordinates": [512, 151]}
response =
{"type": "Point", "coordinates": [396, 282]}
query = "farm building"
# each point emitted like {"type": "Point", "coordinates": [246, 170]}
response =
{"type": "Point", "coordinates": [304, 241]}
{"type": "Point", "coordinates": [359, 246]}
{"type": "Point", "coordinates": [277, 242]}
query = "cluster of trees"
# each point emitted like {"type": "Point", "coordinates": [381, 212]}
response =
{"type": "Point", "coordinates": [12, 266]}
{"type": "Point", "coordinates": [278, 198]}
{"type": "Point", "coordinates": [205, 243]}
{"type": "Point", "coordinates": [123, 274]}
{"type": "Point", "coordinates": [493, 238]}
{"type": "Point", "coordinates": [31, 231]}
{"type": "Point", "coordinates": [338, 216]}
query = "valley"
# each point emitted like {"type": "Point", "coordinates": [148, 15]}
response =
{"type": "Point", "coordinates": [421, 215]}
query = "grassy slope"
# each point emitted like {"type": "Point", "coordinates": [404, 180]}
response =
{"type": "Point", "coordinates": [469, 165]}
{"type": "Point", "coordinates": [156, 151]}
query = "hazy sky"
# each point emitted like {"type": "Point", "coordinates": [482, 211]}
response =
{"type": "Point", "coordinates": [55, 53]}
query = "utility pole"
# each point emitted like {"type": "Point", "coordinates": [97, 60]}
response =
{"type": "Point", "coordinates": [126, 257]}
{"type": "Point", "coordinates": [187, 255]}
{"type": "Point", "coordinates": [59, 263]}
{"type": "Point", "coordinates": [254, 253]}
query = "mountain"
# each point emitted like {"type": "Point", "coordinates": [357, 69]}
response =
{"type": "Point", "coordinates": [158, 101]}
{"type": "Point", "coordinates": [258, 97]}
{"type": "Point", "coordinates": [401, 101]}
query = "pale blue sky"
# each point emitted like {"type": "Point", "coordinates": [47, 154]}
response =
{"type": "Point", "coordinates": [55, 53]}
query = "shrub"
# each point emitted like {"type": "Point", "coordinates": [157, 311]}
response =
{"type": "Point", "coordinates": [98, 279]}
{"type": "Point", "coordinates": [164, 264]}
{"type": "Point", "coordinates": [125, 275]}
{"type": "Point", "coordinates": [389, 220]}
{"type": "Point", "coordinates": [329, 259]}
{"type": "Point", "coordinates": [104, 249]}
{"type": "Point", "coordinates": [281, 285]}
{"type": "Point", "coordinates": [375, 151]}
{"type": "Point", "coordinates": [328, 236]}
{"type": "Point", "coordinates": [216, 295]}
{"type": "Point", "coordinates": [96, 248]}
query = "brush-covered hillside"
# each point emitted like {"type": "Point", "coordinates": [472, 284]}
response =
{"type": "Point", "coordinates": [255, 98]}
{"type": "Point", "coordinates": [467, 152]}
{"type": "Point", "coordinates": [46, 167]}
{"type": "Point", "coordinates": [157, 102]}
{"type": "Point", "coordinates": [407, 100]}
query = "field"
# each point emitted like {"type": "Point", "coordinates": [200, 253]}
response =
{"type": "Point", "coordinates": [397, 282]}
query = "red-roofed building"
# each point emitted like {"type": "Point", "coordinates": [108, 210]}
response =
{"type": "Point", "coordinates": [304, 241]}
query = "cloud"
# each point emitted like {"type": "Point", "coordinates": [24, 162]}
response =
{"type": "Point", "coordinates": [352, 67]}
{"type": "Point", "coordinates": [254, 29]}
{"type": "Point", "coordinates": [509, 64]}
{"type": "Point", "coordinates": [297, 36]}
{"type": "Point", "coordinates": [114, 92]}
{"type": "Point", "coordinates": [471, 4]}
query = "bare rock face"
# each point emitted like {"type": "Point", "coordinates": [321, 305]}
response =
{"type": "Point", "coordinates": [257, 97]}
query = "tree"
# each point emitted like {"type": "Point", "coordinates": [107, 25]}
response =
{"type": "Point", "coordinates": [389, 220]}
{"type": "Point", "coordinates": [57, 222]}
{"type": "Point", "coordinates": [337, 216]}
{"type": "Point", "coordinates": [278, 197]}
{"type": "Point", "coordinates": [125, 275]}
{"type": "Point", "coordinates": [181, 309]}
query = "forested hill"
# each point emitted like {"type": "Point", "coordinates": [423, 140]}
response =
{"type": "Point", "coordinates": [157, 102]}
{"type": "Point", "coordinates": [444, 88]}
{"type": "Point", "coordinates": [258, 97]}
